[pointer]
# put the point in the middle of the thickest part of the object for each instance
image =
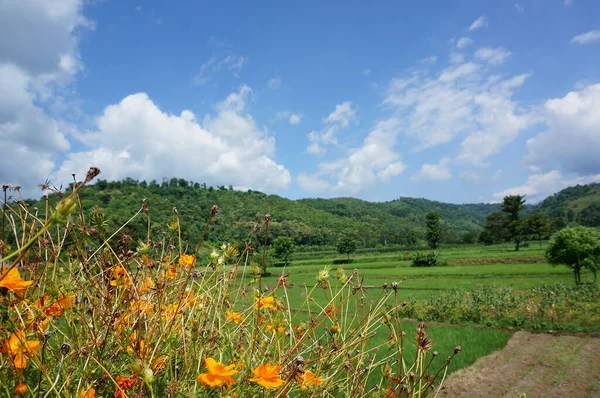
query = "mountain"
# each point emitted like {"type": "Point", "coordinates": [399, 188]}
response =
{"type": "Point", "coordinates": [307, 221]}
{"type": "Point", "coordinates": [575, 205]}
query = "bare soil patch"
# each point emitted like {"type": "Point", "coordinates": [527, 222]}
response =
{"type": "Point", "coordinates": [538, 365]}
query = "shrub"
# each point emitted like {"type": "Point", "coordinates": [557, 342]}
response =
{"type": "Point", "coordinates": [426, 260]}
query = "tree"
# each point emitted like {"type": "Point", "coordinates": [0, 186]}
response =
{"type": "Point", "coordinates": [433, 233]}
{"type": "Point", "coordinates": [512, 206]}
{"type": "Point", "coordinates": [590, 216]}
{"type": "Point", "coordinates": [577, 248]}
{"type": "Point", "coordinates": [346, 245]}
{"type": "Point", "coordinates": [495, 229]}
{"type": "Point", "coordinates": [538, 226]}
{"type": "Point", "coordinates": [284, 248]}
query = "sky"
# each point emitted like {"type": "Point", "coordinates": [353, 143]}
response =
{"type": "Point", "coordinates": [459, 101]}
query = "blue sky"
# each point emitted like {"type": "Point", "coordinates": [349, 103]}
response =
{"type": "Point", "coordinates": [457, 101]}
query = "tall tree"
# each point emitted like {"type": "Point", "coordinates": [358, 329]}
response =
{"type": "Point", "coordinates": [512, 206]}
{"type": "Point", "coordinates": [433, 232]}
{"type": "Point", "coordinates": [577, 248]}
{"type": "Point", "coordinates": [538, 226]}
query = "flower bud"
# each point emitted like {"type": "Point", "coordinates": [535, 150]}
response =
{"type": "Point", "coordinates": [64, 208]}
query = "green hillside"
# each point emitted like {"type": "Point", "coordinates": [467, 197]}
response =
{"type": "Point", "coordinates": [575, 205]}
{"type": "Point", "coordinates": [307, 221]}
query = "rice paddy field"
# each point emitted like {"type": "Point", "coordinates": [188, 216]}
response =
{"type": "Point", "coordinates": [469, 268]}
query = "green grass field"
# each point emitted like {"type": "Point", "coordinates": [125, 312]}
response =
{"type": "Point", "coordinates": [498, 266]}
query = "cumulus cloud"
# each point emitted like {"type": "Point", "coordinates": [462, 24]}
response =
{"type": "Point", "coordinates": [375, 161]}
{"type": "Point", "coordinates": [292, 118]}
{"type": "Point", "coordinates": [494, 56]}
{"type": "Point", "coordinates": [366, 72]}
{"type": "Point", "coordinates": [434, 172]}
{"type": "Point", "coordinates": [571, 141]}
{"type": "Point", "coordinates": [540, 186]}
{"type": "Point", "coordinates": [339, 119]}
{"type": "Point", "coordinates": [479, 23]}
{"type": "Point", "coordinates": [38, 55]}
{"type": "Point", "coordinates": [462, 100]}
{"type": "Point", "coordinates": [274, 83]}
{"type": "Point", "coordinates": [588, 37]}
{"type": "Point", "coordinates": [135, 138]}
{"type": "Point", "coordinates": [463, 42]}
{"type": "Point", "coordinates": [228, 61]}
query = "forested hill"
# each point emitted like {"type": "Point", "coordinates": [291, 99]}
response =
{"type": "Point", "coordinates": [307, 221]}
{"type": "Point", "coordinates": [575, 205]}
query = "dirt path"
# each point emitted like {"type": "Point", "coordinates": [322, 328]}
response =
{"type": "Point", "coordinates": [538, 365]}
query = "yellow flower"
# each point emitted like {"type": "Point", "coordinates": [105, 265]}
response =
{"type": "Point", "coordinates": [120, 277]}
{"type": "Point", "coordinates": [172, 272]}
{"type": "Point", "coordinates": [13, 281]}
{"type": "Point", "coordinates": [187, 260]}
{"type": "Point", "coordinates": [309, 378]}
{"type": "Point", "coordinates": [18, 347]}
{"type": "Point", "coordinates": [146, 286]}
{"type": "Point", "coordinates": [267, 376]}
{"type": "Point", "coordinates": [265, 302]}
{"type": "Point", "coordinates": [235, 317]}
{"type": "Point", "coordinates": [218, 374]}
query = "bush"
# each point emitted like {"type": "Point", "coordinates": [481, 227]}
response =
{"type": "Point", "coordinates": [425, 260]}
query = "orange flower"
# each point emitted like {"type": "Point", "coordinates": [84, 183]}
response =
{"type": "Point", "coordinates": [18, 347]}
{"type": "Point", "coordinates": [172, 272]}
{"type": "Point", "coordinates": [21, 389]}
{"type": "Point", "coordinates": [309, 378]}
{"type": "Point", "coordinates": [187, 260]}
{"type": "Point", "coordinates": [218, 374]}
{"type": "Point", "coordinates": [146, 286]}
{"type": "Point", "coordinates": [142, 306]}
{"type": "Point", "coordinates": [267, 376]}
{"type": "Point", "coordinates": [13, 281]}
{"type": "Point", "coordinates": [120, 276]}
{"type": "Point", "coordinates": [91, 393]}
{"type": "Point", "coordinates": [235, 317]}
{"type": "Point", "coordinates": [124, 383]}
{"type": "Point", "coordinates": [265, 302]}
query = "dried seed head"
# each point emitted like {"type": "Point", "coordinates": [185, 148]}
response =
{"type": "Point", "coordinates": [395, 286]}
{"type": "Point", "coordinates": [5, 187]}
{"type": "Point", "coordinates": [267, 218]}
{"type": "Point", "coordinates": [65, 348]}
{"type": "Point", "coordinates": [175, 210]}
{"type": "Point", "coordinates": [91, 174]}
{"type": "Point", "coordinates": [384, 286]}
{"type": "Point", "coordinates": [457, 349]}
{"type": "Point", "coordinates": [214, 210]}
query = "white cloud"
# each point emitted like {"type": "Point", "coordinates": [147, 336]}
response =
{"type": "Point", "coordinates": [295, 118]}
{"type": "Point", "coordinates": [571, 142]}
{"type": "Point", "coordinates": [434, 172]}
{"type": "Point", "coordinates": [38, 58]}
{"type": "Point", "coordinates": [462, 100]}
{"type": "Point", "coordinates": [374, 161]}
{"type": "Point", "coordinates": [457, 58]}
{"type": "Point", "coordinates": [135, 138]}
{"type": "Point", "coordinates": [494, 56]}
{"type": "Point", "coordinates": [540, 186]}
{"type": "Point", "coordinates": [588, 37]}
{"type": "Point", "coordinates": [274, 83]}
{"type": "Point", "coordinates": [429, 60]}
{"type": "Point", "coordinates": [478, 23]}
{"type": "Point", "coordinates": [229, 61]}
{"type": "Point", "coordinates": [463, 42]}
{"type": "Point", "coordinates": [339, 119]}
{"type": "Point", "coordinates": [366, 72]}
{"type": "Point", "coordinates": [292, 118]}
